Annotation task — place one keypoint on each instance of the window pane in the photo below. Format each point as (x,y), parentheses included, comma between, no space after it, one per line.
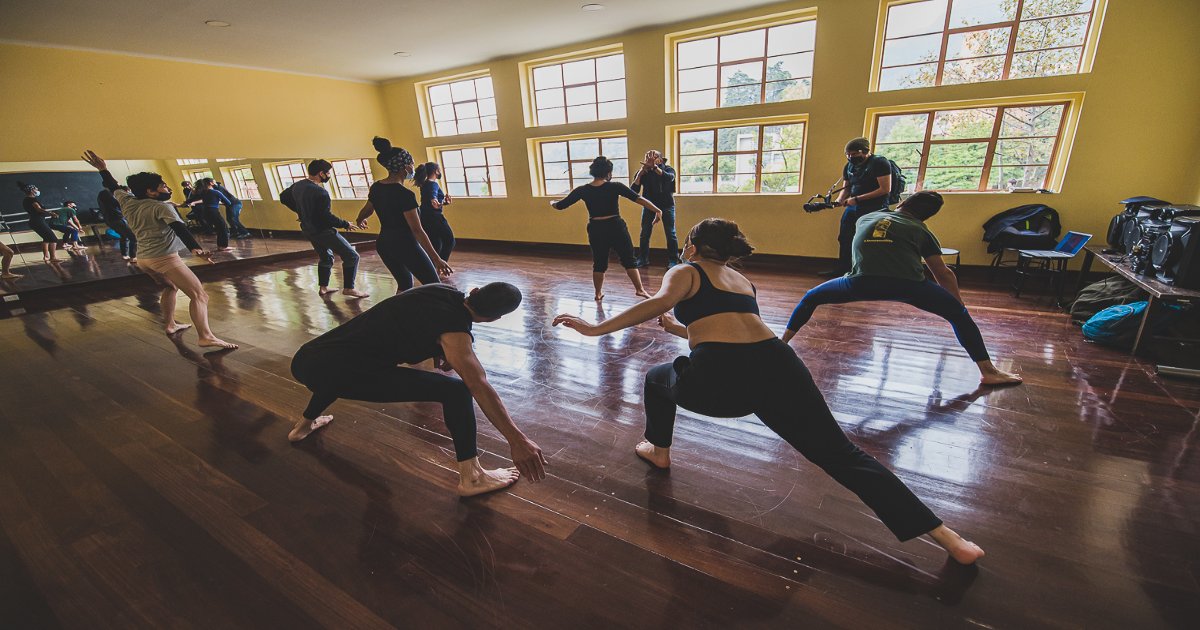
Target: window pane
(1024,151)
(439,94)
(791,38)
(1047,8)
(493,156)
(781,161)
(953,178)
(1045,63)
(701,52)
(696,165)
(586,148)
(579,72)
(499,189)
(706,99)
(445,128)
(608,111)
(483,87)
(474,157)
(488,123)
(741,95)
(554,152)
(973,70)
(558,186)
(790,66)
(781,183)
(916,18)
(977,44)
(462,90)
(611,90)
(621,169)
(907,77)
(904,154)
(910,50)
(452,159)
(1009,177)
(477,174)
(478,189)
(957,154)
(547,77)
(973,12)
(496,173)
(696,184)
(742,74)
(456,189)
(556,170)
(443,112)
(466,110)
(696,142)
(610,67)
(783,136)
(487,107)
(454,173)
(901,128)
(742,183)
(581,113)
(698,79)
(746,45)
(790,90)
(614,148)
(580,170)
(963,123)
(552,116)
(1031,121)
(471,125)
(581,95)
(549,98)
(737,139)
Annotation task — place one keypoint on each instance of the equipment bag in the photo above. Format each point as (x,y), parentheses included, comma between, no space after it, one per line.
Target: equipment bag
(898,183)
(1100,295)
(1117,326)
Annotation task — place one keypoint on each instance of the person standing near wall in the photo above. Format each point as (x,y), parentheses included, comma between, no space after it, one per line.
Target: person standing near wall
(656,182)
(868,180)
(211,201)
(311,202)
(433,203)
(38,220)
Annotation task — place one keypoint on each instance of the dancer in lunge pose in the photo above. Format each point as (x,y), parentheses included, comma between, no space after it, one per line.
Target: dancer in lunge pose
(308,199)
(359,360)
(606,229)
(738,367)
(162,235)
(889,255)
(403,245)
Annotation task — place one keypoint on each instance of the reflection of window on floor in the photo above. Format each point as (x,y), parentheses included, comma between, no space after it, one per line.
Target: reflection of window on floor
(473,171)
(351,178)
(241,180)
(565,163)
(976,149)
(748,158)
(943,42)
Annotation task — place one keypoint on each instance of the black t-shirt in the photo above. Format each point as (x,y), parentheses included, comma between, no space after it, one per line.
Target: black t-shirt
(601,201)
(110,208)
(404,328)
(863,178)
(391,201)
(34,213)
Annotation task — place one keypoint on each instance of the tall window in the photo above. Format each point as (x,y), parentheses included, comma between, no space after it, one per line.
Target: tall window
(943,42)
(580,90)
(289,173)
(765,65)
(195,174)
(473,171)
(352,178)
(241,179)
(565,162)
(464,106)
(190,161)
(748,158)
(977,149)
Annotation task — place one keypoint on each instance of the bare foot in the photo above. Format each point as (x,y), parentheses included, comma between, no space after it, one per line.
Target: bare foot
(999,377)
(658,457)
(481,481)
(962,550)
(175,328)
(304,427)
(133,261)
(326,291)
(10,276)
(642,294)
(213,342)
(355,293)
(599,296)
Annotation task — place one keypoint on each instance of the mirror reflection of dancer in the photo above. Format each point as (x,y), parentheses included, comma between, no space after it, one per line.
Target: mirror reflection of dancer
(6,256)
(433,203)
(311,202)
(359,360)
(66,220)
(162,235)
(738,367)
(39,218)
(110,211)
(403,245)
(890,252)
(606,229)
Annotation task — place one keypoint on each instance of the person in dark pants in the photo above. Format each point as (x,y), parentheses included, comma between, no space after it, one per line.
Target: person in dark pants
(433,203)
(66,220)
(657,181)
(191,199)
(359,360)
(868,180)
(233,212)
(210,201)
(890,253)
(114,218)
(311,203)
(403,246)
(606,229)
(39,218)
(738,367)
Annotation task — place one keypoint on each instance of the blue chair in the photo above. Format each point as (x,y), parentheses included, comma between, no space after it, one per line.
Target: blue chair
(1050,263)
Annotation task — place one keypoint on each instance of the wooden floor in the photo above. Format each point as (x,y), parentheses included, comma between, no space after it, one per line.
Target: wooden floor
(147,484)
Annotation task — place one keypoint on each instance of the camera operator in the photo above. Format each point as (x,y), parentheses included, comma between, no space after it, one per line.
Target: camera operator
(868,184)
(656,181)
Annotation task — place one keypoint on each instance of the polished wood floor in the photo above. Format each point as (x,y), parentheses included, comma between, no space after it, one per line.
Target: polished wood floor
(148,484)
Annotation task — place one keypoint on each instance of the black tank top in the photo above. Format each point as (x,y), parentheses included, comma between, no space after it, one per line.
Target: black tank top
(710,300)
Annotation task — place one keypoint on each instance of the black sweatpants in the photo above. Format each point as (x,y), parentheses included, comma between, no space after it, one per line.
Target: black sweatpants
(332,374)
(400,253)
(438,229)
(128,242)
(212,216)
(326,243)
(606,235)
(767,379)
(42,229)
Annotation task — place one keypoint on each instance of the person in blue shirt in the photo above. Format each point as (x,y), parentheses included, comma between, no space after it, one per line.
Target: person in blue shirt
(433,203)
(210,201)
(233,212)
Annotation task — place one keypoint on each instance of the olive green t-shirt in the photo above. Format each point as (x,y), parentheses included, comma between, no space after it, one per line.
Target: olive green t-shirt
(892,244)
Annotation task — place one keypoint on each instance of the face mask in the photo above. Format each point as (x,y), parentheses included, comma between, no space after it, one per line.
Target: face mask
(858,159)
(325,178)
(163,196)
(37,193)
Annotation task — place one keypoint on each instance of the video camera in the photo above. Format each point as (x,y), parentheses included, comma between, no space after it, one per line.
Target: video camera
(826,199)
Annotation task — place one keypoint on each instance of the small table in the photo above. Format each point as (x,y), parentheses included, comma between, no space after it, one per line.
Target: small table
(1159,292)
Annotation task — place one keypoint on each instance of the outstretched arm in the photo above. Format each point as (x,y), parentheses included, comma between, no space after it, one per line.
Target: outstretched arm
(676,286)
(526,454)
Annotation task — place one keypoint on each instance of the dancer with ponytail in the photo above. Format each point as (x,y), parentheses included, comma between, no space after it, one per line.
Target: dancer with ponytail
(606,229)
(39,218)
(403,245)
(433,202)
(738,367)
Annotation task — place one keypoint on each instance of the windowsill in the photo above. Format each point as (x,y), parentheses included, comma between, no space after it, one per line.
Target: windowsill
(995,192)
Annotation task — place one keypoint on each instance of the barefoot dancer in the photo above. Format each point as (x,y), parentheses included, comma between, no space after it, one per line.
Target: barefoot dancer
(606,229)
(6,256)
(358,361)
(433,206)
(887,265)
(738,367)
(403,245)
(308,199)
(161,234)
(39,218)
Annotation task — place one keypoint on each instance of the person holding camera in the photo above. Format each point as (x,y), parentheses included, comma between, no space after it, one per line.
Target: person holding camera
(868,180)
(656,182)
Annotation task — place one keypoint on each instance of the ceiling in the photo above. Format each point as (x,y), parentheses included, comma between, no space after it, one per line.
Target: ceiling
(354,40)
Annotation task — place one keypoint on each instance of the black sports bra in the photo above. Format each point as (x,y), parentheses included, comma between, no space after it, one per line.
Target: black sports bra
(710,300)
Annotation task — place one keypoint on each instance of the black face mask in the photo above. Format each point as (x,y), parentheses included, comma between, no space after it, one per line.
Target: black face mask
(858,159)
(163,196)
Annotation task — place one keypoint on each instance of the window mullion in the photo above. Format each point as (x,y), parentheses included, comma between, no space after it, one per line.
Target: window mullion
(993,145)
(925,153)
(1012,40)
(758,157)
(941,67)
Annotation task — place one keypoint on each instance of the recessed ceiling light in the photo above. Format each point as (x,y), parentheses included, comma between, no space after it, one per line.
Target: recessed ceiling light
(592,7)
(402,53)
(216,23)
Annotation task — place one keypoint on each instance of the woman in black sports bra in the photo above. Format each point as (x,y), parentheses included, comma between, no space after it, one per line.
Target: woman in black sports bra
(739,367)
(606,229)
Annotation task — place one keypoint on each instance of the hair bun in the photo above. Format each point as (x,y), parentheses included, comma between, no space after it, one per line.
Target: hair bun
(599,158)
(382,145)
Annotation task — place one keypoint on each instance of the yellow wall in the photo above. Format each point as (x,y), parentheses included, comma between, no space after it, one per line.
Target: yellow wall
(1121,148)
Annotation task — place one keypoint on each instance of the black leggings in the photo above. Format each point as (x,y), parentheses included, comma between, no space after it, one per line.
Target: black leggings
(128,241)
(331,375)
(42,229)
(923,294)
(609,234)
(403,257)
(767,379)
(212,216)
(440,234)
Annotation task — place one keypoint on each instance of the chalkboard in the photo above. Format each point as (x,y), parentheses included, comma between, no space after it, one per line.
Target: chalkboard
(81,187)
